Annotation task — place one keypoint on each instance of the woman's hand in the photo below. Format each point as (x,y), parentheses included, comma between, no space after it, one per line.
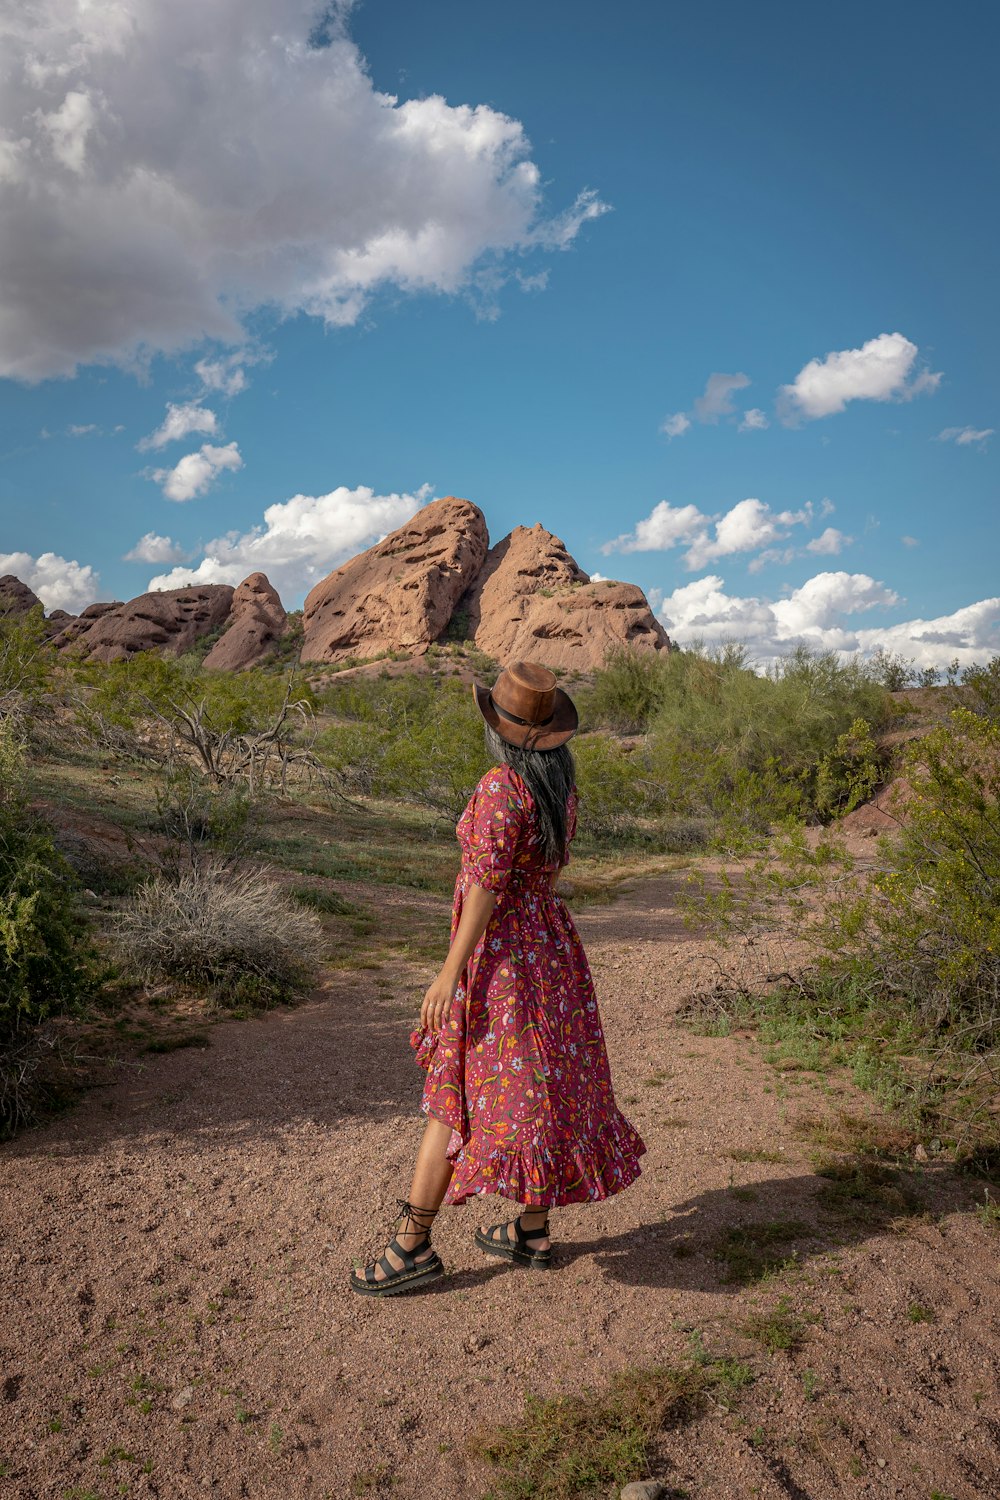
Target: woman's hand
(437,1002)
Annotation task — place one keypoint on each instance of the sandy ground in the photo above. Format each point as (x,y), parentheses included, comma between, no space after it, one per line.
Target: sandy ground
(175,1318)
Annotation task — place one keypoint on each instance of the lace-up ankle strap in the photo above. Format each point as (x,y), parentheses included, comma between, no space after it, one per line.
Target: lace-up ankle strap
(416,1216)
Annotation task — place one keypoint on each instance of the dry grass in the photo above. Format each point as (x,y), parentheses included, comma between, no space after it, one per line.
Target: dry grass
(237,934)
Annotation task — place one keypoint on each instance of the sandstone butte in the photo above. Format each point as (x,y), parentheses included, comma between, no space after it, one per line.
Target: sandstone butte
(257,621)
(400,594)
(435,578)
(437,575)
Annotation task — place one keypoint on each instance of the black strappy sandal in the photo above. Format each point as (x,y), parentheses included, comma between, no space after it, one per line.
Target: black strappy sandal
(517,1249)
(413,1274)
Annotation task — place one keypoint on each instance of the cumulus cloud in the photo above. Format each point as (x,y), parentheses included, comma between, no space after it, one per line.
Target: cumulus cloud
(676,424)
(748,526)
(715,402)
(300,540)
(194,474)
(966,437)
(165,170)
(82,429)
(829,542)
(58,582)
(664,527)
(156,549)
(883,369)
(180,422)
(820,614)
(754,420)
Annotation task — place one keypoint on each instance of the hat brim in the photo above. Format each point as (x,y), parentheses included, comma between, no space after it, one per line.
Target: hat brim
(561,727)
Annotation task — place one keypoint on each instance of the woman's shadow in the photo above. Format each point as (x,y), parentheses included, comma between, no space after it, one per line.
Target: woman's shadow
(719,1241)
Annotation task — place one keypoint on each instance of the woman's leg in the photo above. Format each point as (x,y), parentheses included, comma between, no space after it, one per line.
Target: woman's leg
(431,1176)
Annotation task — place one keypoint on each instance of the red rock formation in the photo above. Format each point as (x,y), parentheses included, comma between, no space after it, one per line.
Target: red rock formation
(81,623)
(15,597)
(257,620)
(170,621)
(532,601)
(400,594)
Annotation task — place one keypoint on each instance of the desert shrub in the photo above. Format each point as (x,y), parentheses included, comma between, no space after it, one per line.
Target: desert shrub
(913,947)
(626,691)
(45,956)
(980,690)
(891,670)
(412,738)
(235,935)
(748,749)
(27,661)
(247,729)
(618,798)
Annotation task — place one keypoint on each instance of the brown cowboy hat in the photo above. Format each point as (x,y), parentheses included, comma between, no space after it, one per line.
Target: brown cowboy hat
(526,708)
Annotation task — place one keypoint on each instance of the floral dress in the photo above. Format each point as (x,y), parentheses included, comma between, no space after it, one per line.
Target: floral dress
(519,1070)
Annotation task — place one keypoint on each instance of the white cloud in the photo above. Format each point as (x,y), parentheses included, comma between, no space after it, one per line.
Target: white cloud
(718,398)
(59,583)
(754,420)
(664,527)
(85,429)
(676,424)
(820,615)
(965,437)
(748,526)
(181,422)
(227,373)
(156,549)
(716,402)
(165,170)
(881,370)
(194,473)
(910,541)
(300,540)
(829,542)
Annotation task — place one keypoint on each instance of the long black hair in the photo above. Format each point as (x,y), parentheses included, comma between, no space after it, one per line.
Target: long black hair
(549,776)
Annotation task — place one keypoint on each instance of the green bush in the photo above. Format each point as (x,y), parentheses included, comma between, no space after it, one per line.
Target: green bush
(412,738)
(748,750)
(627,691)
(45,956)
(907,959)
(27,659)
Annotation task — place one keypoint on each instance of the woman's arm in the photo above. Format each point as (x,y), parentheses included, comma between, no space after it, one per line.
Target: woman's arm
(477,908)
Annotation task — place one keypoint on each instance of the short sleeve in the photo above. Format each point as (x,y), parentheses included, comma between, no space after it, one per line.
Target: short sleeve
(492,833)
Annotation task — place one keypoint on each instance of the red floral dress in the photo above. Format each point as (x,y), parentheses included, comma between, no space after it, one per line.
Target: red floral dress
(519,1070)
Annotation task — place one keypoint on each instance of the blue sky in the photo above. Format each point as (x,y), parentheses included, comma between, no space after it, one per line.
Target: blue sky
(579,230)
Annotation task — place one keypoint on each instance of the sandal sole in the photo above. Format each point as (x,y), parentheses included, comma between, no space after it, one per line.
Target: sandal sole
(532,1261)
(412,1282)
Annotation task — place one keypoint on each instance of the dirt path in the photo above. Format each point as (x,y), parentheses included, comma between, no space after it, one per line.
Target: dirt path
(174,1318)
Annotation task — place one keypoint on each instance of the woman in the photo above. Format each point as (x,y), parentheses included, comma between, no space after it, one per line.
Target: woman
(518,1093)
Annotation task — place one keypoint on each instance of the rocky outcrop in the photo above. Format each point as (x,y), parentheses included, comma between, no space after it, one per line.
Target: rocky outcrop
(171,621)
(15,597)
(400,594)
(532,601)
(574,628)
(434,578)
(257,621)
(528,561)
(78,625)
